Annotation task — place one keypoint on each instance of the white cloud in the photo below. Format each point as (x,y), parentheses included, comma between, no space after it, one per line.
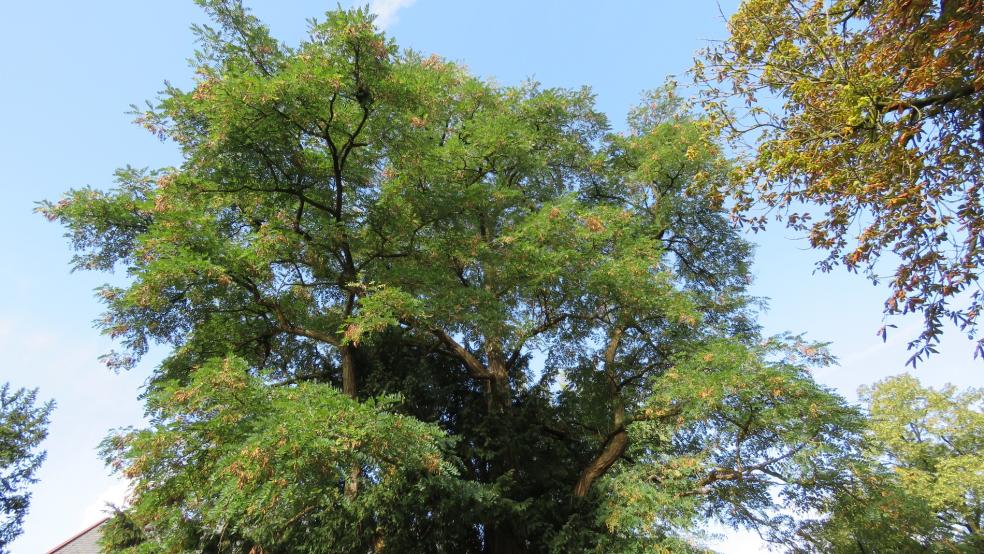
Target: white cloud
(116,495)
(386,10)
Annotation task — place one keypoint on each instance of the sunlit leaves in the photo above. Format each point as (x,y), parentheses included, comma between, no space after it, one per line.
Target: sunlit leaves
(266,464)
(920,484)
(862,121)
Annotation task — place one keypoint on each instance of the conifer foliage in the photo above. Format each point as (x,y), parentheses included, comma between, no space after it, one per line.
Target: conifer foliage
(23,426)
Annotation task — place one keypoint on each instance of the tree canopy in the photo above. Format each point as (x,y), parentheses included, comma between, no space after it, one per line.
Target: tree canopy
(412,310)
(873,112)
(23,426)
(920,485)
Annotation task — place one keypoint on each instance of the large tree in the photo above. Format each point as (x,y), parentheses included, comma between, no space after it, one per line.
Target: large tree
(23,425)
(873,112)
(410,310)
(920,485)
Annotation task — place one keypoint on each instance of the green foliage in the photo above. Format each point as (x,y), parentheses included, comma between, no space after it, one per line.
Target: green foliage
(920,486)
(23,426)
(261,465)
(871,112)
(540,329)
(739,434)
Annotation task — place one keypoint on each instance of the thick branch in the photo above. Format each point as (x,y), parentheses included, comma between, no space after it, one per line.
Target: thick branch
(283,322)
(613,450)
(934,100)
(618,440)
(475,368)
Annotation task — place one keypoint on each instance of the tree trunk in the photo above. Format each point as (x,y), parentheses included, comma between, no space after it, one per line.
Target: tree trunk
(501,536)
(349,387)
(610,454)
(618,440)
(501,393)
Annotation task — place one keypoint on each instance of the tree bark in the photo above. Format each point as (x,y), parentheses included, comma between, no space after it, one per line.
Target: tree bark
(349,387)
(612,451)
(499,374)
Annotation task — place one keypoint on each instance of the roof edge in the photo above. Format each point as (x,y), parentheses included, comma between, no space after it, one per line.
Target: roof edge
(77,535)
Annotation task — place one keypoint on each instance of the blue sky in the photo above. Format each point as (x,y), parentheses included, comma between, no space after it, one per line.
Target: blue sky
(71,69)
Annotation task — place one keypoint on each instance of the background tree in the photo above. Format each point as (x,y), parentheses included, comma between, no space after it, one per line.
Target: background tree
(540,329)
(873,111)
(23,425)
(920,486)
